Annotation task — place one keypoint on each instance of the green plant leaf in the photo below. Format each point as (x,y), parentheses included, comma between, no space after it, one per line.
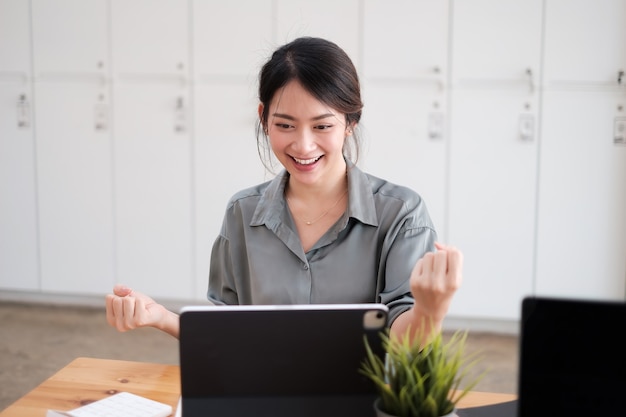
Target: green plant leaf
(421,380)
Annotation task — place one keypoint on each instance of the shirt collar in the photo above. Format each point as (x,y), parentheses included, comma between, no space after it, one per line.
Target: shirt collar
(272,203)
(361,205)
(361,200)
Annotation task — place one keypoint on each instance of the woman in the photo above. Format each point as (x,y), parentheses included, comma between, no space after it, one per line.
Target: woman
(322,231)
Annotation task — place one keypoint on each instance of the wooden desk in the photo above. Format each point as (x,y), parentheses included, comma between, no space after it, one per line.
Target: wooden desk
(87,379)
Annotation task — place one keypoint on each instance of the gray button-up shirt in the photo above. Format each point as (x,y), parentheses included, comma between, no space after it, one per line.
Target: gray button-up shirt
(366,256)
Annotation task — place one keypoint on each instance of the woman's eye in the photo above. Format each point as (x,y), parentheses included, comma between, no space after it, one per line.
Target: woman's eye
(283,125)
(323,127)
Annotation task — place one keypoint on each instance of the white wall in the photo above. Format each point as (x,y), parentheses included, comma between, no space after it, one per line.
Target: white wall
(126,126)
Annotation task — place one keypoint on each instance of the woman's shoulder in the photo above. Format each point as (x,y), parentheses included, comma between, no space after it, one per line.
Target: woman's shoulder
(383,188)
(255,191)
(399,202)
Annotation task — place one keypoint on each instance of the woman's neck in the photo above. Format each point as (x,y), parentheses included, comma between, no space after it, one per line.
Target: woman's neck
(317,194)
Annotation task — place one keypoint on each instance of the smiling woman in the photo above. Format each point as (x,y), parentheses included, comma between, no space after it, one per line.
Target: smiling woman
(322,231)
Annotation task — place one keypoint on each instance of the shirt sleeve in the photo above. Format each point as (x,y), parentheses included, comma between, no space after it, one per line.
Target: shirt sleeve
(409,235)
(415,238)
(221,283)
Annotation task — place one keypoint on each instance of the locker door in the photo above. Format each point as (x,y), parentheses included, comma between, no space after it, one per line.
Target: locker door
(225,112)
(484,35)
(152,158)
(582,200)
(75,189)
(493,151)
(150,37)
(153,189)
(15,39)
(405,39)
(226,161)
(585,42)
(246,25)
(405,145)
(70,60)
(493,174)
(337,21)
(70,37)
(19,258)
(405,114)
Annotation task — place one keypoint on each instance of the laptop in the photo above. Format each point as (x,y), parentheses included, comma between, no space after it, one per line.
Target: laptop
(278,361)
(572,358)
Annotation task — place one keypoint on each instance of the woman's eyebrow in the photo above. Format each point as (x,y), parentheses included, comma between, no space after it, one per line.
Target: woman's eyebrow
(288,117)
(284,116)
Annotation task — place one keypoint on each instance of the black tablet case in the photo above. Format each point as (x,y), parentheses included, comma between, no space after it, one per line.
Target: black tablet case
(277,361)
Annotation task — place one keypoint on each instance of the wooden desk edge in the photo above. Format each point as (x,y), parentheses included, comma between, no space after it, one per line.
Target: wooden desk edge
(479,398)
(85,380)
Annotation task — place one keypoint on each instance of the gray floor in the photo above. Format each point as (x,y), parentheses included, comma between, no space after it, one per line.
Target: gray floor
(37,340)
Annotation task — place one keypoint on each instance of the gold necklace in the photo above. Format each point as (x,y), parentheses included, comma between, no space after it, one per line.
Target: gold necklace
(310,222)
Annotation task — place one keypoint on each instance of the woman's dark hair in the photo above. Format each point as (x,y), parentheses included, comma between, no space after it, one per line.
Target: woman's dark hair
(325,71)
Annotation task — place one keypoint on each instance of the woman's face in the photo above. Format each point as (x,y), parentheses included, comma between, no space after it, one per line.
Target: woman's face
(306,136)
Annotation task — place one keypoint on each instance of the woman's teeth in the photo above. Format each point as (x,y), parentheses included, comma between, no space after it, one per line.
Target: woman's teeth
(307,161)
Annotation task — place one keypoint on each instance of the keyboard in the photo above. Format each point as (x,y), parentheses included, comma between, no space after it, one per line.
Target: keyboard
(120,404)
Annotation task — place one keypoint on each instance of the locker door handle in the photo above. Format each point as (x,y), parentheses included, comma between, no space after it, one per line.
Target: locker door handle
(179,116)
(531,82)
(439,78)
(526,127)
(23,112)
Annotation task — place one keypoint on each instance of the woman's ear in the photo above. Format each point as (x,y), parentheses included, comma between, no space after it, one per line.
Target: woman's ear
(263,122)
(350,129)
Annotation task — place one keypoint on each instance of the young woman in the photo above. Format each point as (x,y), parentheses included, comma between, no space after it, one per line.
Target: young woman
(322,231)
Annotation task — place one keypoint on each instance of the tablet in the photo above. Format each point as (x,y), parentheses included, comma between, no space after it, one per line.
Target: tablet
(278,360)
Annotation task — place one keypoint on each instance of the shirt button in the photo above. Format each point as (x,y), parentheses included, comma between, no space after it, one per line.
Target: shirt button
(306,267)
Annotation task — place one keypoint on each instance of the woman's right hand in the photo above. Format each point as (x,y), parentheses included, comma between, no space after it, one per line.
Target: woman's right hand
(127,309)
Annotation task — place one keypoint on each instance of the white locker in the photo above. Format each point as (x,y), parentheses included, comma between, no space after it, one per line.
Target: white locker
(405,115)
(153,188)
(585,43)
(399,145)
(405,40)
(73,145)
(75,189)
(15,57)
(581,249)
(493,175)
(19,258)
(70,38)
(581,244)
(225,158)
(496,42)
(223,47)
(494,137)
(337,21)
(226,161)
(152,146)
(150,37)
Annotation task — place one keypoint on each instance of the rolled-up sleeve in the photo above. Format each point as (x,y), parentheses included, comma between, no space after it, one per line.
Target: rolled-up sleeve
(221,276)
(408,247)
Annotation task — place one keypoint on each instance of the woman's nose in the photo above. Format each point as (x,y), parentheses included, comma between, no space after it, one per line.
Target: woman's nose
(304,141)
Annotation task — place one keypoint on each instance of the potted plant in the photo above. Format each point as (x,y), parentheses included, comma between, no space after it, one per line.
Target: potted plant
(420,380)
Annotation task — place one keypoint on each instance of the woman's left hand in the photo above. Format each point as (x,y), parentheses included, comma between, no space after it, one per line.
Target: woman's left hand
(434,280)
